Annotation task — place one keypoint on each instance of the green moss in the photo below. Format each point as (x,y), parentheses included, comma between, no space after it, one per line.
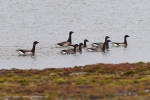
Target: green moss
(105,79)
(144,79)
(138,63)
(102,82)
(93,81)
(81,80)
(2,80)
(130,72)
(109,95)
(106,76)
(23,81)
(60,81)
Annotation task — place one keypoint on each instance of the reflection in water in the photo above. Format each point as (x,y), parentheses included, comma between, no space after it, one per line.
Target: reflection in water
(33,60)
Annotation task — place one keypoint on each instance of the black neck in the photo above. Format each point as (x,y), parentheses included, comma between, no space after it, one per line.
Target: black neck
(125,41)
(107,45)
(33,48)
(84,43)
(69,39)
(105,39)
(80,48)
(103,48)
(74,48)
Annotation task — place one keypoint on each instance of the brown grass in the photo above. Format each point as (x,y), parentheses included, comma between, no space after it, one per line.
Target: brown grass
(98,82)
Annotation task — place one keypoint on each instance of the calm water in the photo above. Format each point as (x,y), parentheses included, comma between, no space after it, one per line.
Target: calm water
(49,22)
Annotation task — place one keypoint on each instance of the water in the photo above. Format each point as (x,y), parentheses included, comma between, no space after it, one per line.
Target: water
(49,22)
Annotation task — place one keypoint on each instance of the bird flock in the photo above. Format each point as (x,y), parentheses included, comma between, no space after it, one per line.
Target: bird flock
(73,48)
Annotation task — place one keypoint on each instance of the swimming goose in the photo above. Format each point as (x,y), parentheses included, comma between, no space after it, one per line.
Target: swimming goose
(65,43)
(121,44)
(100,44)
(84,45)
(70,51)
(97,49)
(23,52)
(93,49)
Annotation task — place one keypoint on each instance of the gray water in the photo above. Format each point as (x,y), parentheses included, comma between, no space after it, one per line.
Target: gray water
(49,22)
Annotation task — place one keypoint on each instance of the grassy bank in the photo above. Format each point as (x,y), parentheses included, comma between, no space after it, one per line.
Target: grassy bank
(90,82)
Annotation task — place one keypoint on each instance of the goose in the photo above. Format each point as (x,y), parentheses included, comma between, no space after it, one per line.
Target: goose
(117,44)
(65,43)
(93,49)
(23,52)
(70,51)
(97,49)
(83,46)
(100,44)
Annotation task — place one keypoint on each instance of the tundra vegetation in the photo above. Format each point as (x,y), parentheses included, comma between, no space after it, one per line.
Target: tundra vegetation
(125,81)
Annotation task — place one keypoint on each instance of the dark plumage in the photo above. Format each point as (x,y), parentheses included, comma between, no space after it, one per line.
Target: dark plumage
(121,44)
(100,44)
(99,49)
(70,51)
(66,43)
(24,52)
(83,46)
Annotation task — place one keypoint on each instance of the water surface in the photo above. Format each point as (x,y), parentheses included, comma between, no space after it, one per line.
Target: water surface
(49,22)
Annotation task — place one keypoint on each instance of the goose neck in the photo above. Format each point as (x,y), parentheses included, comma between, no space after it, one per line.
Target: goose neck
(33,48)
(80,48)
(84,43)
(69,39)
(125,41)
(103,48)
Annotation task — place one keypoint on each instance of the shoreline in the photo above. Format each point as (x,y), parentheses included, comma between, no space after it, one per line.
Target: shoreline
(96,81)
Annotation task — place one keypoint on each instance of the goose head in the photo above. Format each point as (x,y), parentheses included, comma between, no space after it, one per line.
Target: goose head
(76,45)
(126,36)
(80,44)
(70,32)
(107,37)
(86,40)
(84,45)
(35,42)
